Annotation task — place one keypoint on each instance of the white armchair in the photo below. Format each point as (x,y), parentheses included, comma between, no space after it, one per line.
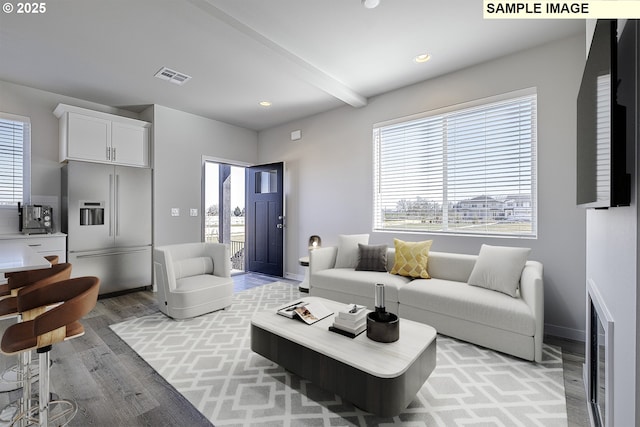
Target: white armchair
(192,278)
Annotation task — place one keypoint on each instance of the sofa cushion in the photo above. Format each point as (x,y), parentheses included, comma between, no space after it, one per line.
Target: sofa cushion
(450,266)
(347,256)
(499,268)
(195,290)
(350,281)
(192,267)
(411,258)
(475,304)
(372,258)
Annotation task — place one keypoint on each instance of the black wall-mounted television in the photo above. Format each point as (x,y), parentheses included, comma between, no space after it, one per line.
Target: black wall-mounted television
(602,178)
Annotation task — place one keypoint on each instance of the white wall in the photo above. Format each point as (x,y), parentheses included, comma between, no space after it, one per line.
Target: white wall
(38,105)
(612,266)
(180,141)
(329,172)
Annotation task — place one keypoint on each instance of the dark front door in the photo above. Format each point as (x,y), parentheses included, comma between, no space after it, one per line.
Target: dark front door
(265,219)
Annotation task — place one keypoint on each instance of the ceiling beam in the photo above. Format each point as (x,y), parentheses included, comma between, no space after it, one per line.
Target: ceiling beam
(304,69)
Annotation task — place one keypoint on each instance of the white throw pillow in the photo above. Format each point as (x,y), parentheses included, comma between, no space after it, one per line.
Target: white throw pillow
(499,268)
(348,249)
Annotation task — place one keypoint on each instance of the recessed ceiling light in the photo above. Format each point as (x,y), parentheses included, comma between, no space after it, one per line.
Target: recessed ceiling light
(265,104)
(422,58)
(370,4)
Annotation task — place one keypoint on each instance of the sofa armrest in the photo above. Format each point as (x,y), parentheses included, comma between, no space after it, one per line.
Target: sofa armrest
(220,254)
(532,292)
(322,259)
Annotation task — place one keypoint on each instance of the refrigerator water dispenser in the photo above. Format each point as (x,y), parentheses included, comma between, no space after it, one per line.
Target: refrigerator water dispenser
(91,213)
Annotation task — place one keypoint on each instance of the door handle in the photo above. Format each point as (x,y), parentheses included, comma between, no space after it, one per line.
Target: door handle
(279,226)
(111,201)
(116,203)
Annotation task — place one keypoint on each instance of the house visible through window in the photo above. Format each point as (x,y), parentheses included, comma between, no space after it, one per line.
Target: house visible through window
(15,142)
(463,170)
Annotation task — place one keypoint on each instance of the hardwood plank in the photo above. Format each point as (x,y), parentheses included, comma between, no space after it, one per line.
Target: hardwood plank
(115,387)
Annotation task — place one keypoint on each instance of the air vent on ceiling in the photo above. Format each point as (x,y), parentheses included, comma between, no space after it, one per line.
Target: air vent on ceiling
(172,76)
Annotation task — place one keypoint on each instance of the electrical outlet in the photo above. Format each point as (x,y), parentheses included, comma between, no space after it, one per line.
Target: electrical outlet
(193,212)
(175,211)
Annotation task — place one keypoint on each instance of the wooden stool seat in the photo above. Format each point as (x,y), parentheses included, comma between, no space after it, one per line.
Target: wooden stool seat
(20,337)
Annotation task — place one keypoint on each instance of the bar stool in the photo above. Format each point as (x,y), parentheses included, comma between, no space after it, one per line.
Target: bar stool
(43,326)
(9,308)
(22,374)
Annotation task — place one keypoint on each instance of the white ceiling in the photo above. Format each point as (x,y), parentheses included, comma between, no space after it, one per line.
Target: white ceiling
(304,56)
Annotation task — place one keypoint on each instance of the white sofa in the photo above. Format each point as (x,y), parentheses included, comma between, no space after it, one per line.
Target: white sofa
(513,325)
(192,278)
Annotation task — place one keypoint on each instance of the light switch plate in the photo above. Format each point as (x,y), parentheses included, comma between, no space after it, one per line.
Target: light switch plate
(175,211)
(193,212)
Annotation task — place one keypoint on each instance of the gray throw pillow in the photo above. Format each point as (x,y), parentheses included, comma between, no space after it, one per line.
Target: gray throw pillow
(372,257)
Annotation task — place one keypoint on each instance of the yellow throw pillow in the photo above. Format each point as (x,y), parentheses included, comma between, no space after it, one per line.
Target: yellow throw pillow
(411,258)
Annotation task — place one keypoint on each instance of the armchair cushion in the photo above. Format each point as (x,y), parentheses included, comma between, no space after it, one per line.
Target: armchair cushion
(192,267)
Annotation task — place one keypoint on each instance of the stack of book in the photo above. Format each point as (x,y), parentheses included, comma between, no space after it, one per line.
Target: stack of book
(351,321)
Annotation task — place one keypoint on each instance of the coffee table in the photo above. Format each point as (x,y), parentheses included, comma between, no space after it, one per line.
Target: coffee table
(381,378)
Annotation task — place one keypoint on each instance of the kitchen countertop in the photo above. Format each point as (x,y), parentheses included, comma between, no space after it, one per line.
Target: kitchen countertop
(29,236)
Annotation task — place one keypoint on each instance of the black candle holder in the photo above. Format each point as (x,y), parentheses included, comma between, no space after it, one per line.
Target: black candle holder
(383,327)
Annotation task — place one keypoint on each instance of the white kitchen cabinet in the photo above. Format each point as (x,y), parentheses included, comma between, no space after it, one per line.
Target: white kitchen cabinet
(129,144)
(43,244)
(94,136)
(88,138)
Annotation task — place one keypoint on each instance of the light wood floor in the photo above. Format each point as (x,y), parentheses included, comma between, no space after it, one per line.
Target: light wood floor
(114,387)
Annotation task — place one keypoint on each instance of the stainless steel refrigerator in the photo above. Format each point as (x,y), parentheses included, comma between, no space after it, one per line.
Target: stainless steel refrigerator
(106,213)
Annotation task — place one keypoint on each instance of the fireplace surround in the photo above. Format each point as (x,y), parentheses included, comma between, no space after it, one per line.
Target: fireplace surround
(598,367)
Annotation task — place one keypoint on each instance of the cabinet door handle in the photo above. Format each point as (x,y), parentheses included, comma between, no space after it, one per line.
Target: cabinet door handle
(33,245)
(114,154)
(108,153)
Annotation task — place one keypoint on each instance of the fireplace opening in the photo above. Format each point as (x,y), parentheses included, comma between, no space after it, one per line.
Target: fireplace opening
(599,361)
(597,364)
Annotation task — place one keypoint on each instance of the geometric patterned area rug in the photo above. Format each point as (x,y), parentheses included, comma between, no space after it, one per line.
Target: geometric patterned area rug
(208,360)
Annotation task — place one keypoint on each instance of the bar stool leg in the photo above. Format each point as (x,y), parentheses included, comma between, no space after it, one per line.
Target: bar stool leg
(26,406)
(43,398)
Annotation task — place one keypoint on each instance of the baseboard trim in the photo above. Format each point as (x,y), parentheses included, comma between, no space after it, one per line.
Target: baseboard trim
(563,332)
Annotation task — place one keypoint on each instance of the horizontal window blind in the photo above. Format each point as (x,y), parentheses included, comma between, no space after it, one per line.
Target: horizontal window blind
(15,137)
(466,171)
(603,137)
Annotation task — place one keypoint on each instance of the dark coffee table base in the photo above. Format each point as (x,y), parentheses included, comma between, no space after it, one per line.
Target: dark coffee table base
(384,397)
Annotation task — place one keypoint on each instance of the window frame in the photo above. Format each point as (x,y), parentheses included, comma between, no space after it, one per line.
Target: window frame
(26,157)
(443,114)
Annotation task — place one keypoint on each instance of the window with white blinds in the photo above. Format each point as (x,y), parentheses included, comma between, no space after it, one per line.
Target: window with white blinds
(15,142)
(468,170)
